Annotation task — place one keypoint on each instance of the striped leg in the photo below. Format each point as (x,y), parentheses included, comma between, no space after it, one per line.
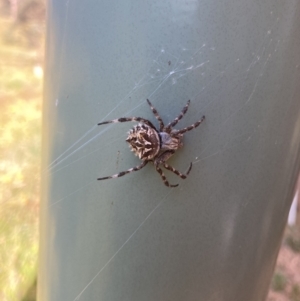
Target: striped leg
(160,121)
(164,177)
(193,126)
(178,173)
(120,174)
(126,119)
(175,121)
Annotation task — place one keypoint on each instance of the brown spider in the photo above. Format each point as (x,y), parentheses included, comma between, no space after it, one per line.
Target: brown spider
(150,144)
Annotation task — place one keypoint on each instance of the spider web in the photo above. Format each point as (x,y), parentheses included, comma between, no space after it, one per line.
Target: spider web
(191,63)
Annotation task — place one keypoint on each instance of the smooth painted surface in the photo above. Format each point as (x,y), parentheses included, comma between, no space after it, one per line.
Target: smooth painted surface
(217,235)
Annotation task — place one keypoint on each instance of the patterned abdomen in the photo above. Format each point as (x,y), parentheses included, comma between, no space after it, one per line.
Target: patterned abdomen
(144,141)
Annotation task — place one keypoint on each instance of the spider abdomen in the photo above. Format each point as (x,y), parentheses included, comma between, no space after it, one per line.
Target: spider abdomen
(144,141)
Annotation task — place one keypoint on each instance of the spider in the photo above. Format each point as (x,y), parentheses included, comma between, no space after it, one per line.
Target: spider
(151,144)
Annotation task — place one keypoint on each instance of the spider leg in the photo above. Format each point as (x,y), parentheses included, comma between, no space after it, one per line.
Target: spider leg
(164,177)
(189,128)
(178,173)
(175,121)
(122,173)
(126,119)
(157,116)
(162,158)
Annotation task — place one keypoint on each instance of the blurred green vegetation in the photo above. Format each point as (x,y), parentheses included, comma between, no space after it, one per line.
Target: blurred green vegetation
(295,293)
(292,238)
(278,282)
(21,77)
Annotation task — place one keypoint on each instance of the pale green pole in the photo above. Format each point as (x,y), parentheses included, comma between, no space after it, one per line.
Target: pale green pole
(216,236)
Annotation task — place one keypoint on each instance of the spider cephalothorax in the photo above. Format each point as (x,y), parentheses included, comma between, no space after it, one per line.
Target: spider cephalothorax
(157,146)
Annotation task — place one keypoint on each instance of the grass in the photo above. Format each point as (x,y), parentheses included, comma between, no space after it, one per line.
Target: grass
(278,282)
(293,239)
(295,293)
(20,146)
